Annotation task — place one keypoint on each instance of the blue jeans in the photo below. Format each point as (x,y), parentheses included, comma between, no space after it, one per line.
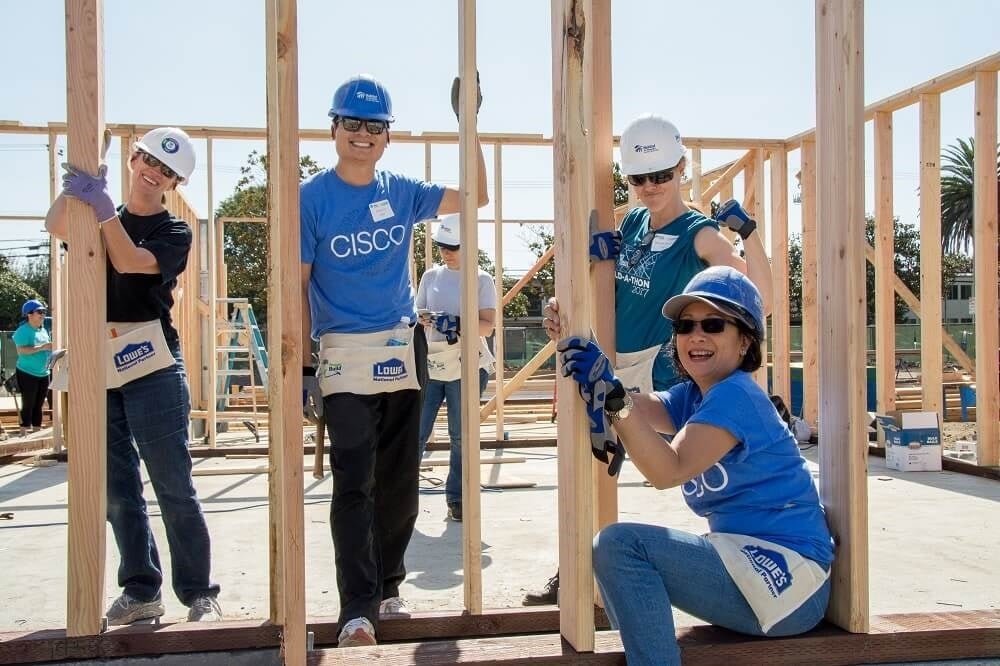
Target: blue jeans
(148,419)
(450,393)
(643,570)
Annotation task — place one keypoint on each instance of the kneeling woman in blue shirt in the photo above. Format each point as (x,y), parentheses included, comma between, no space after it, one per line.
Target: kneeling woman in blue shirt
(763,569)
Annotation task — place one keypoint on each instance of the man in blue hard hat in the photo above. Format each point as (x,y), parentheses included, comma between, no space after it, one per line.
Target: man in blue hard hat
(357,224)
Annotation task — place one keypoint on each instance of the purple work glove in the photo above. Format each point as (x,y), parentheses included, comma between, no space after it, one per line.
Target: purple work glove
(92,190)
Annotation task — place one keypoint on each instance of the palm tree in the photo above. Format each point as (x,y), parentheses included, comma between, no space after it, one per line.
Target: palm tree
(956,196)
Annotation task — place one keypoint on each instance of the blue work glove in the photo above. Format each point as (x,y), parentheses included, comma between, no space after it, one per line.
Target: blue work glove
(585,362)
(92,190)
(312,397)
(732,215)
(448,324)
(605,245)
(456,89)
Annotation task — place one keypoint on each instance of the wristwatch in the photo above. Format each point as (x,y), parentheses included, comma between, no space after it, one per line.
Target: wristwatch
(618,404)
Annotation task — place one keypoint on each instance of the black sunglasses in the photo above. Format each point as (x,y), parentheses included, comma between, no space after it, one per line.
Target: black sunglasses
(354,125)
(445,246)
(155,163)
(710,325)
(656,177)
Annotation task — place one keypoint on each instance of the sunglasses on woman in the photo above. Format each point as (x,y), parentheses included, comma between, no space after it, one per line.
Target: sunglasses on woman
(354,125)
(655,177)
(709,325)
(157,164)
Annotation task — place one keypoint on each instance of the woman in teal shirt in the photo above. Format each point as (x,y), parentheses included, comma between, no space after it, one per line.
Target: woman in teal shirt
(33,350)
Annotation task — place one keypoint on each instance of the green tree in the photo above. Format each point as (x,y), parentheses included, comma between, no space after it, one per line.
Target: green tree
(621,187)
(35,273)
(13,293)
(957,168)
(245,243)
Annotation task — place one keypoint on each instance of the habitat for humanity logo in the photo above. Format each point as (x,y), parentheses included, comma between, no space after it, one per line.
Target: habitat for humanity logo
(644,148)
(132,355)
(772,567)
(368,97)
(390,371)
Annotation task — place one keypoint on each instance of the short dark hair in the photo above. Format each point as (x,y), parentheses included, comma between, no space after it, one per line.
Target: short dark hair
(752,360)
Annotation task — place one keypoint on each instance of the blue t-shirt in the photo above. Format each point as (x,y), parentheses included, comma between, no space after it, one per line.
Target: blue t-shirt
(761,487)
(646,275)
(358,242)
(27,335)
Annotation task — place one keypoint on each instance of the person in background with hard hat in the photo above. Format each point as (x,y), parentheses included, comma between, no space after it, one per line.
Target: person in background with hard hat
(33,349)
(763,568)
(658,248)
(357,223)
(148,416)
(439,292)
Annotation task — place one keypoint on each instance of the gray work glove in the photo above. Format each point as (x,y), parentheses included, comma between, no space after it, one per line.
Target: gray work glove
(456,89)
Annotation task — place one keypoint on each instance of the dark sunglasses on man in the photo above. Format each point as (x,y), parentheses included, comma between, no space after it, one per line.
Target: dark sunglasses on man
(655,177)
(354,124)
(157,164)
(452,248)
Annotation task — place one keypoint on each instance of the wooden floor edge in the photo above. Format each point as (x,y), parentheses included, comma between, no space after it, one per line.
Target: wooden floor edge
(491,635)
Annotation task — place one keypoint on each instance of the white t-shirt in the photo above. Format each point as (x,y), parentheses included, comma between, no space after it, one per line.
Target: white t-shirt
(440,290)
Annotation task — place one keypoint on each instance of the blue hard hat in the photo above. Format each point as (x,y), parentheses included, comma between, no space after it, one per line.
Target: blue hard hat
(31,306)
(723,288)
(362,97)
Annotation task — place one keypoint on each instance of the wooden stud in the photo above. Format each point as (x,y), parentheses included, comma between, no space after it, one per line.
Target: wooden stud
(602,276)
(213,311)
(572,79)
(696,176)
(86,312)
(810,314)
(985,236)
(428,246)
(843,426)
(931,358)
(469,187)
(55,300)
(885,294)
(287,563)
(781,382)
(726,179)
(755,176)
(498,339)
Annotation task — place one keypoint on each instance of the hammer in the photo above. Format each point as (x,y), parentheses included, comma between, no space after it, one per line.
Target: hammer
(320,445)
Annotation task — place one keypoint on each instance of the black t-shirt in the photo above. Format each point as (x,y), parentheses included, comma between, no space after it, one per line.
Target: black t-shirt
(144,297)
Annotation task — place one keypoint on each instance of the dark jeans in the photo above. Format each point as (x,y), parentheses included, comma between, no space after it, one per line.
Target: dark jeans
(451,394)
(148,419)
(33,390)
(373,455)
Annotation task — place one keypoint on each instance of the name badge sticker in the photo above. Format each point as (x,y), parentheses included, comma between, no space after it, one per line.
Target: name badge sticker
(662,242)
(381,210)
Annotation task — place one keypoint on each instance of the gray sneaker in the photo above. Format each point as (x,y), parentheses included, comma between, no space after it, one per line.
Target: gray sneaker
(127,609)
(205,609)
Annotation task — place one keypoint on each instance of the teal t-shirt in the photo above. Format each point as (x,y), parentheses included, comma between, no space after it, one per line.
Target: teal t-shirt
(29,336)
(646,275)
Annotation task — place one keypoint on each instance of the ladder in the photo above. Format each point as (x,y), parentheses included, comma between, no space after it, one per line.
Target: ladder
(243,350)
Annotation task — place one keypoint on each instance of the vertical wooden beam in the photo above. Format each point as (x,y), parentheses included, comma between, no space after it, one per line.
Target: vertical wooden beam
(781,382)
(55,298)
(498,340)
(696,176)
(287,564)
(843,427)
(125,151)
(428,246)
(885,292)
(602,277)
(572,80)
(931,358)
(469,187)
(213,312)
(757,213)
(86,312)
(984,223)
(810,306)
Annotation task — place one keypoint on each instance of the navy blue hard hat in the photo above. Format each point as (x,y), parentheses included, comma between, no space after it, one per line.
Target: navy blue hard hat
(362,97)
(723,288)
(32,306)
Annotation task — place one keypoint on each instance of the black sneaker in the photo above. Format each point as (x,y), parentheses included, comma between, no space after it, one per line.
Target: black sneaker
(455,511)
(548,596)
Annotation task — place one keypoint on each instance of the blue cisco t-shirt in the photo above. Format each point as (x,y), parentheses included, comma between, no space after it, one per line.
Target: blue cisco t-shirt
(761,487)
(646,275)
(358,242)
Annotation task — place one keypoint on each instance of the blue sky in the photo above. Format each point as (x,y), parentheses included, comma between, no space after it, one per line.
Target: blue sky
(716,68)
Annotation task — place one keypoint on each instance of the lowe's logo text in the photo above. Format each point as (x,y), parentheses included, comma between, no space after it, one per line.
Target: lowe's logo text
(132,355)
(771,566)
(647,148)
(391,371)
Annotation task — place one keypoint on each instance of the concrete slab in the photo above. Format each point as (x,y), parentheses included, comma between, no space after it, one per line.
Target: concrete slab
(933,536)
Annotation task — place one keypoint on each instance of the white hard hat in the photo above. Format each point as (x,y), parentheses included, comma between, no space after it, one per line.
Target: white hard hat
(172,146)
(650,143)
(448,231)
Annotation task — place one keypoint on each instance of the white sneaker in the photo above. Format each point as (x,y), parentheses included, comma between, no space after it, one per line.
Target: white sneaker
(356,632)
(205,609)
(393,607)
(127,609)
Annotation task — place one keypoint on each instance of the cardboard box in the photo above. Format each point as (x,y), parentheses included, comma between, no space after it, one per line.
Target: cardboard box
(912,442)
